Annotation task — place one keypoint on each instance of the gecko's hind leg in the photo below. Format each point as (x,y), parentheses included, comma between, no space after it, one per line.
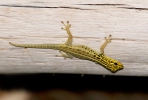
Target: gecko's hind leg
(65,55)
(67,29)
(107,40)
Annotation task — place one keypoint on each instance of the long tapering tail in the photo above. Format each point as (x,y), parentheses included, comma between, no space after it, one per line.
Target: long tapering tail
(39,46)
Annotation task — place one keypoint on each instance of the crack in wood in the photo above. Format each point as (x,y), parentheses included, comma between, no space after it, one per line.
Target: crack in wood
(134,8)
(7,37)
(136,40)
(26,6)
(104,4)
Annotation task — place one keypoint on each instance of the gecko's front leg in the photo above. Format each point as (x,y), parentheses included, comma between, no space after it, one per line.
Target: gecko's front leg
(107,40)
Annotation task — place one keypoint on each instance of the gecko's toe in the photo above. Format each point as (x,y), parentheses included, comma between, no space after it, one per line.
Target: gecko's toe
(62,28)
(110,35)
(62,22)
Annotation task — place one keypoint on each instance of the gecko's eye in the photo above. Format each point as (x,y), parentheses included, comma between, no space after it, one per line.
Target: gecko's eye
(115,64)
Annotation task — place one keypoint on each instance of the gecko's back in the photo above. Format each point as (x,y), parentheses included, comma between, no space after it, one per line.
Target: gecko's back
(86,53)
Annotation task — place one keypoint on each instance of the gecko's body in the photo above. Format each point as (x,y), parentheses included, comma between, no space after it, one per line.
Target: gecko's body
(79,51)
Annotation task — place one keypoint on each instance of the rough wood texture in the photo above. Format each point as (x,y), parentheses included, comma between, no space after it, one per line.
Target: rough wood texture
(38,21)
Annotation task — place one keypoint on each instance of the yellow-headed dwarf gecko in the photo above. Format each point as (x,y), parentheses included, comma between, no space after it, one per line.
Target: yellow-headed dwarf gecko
(79,51)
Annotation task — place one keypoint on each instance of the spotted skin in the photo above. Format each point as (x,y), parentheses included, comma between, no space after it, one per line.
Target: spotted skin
(68,50)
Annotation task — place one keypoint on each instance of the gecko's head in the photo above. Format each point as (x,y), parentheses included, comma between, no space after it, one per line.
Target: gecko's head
(110,63)
(113,65)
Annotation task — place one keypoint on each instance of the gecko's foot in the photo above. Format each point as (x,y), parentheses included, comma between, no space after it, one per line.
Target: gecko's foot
(109,38)
(63,55)
(66,26)
(60,56)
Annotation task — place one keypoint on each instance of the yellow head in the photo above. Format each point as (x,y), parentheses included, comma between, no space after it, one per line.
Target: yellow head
(109,63)
(114,65)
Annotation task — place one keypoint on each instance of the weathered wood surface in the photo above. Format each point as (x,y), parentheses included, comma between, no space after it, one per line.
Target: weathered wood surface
(35,21)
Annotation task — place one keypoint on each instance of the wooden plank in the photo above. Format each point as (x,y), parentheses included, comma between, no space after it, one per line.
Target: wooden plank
(39,22)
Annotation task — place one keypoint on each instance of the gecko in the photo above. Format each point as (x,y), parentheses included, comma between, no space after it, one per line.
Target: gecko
(69,50)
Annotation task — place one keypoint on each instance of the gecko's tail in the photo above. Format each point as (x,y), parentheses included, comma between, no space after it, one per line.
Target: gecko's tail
(39,46)
(19,45)
(12,44)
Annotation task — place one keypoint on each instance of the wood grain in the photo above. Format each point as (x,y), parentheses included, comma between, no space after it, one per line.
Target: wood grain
(38,21)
